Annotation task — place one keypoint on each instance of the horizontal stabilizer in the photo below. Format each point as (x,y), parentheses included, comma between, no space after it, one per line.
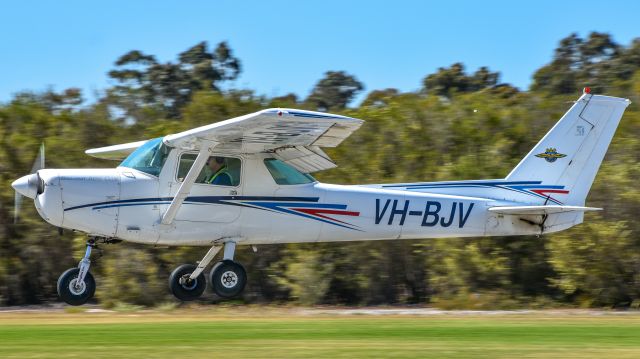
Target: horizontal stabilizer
(533,210)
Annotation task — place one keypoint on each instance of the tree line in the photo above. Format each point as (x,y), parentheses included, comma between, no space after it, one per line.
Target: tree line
(459,125)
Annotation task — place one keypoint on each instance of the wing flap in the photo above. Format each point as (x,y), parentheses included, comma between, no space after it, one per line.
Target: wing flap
(305,159)
(540,210)
(334,135)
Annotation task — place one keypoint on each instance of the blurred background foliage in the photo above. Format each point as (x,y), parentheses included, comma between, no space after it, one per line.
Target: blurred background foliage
(460,125)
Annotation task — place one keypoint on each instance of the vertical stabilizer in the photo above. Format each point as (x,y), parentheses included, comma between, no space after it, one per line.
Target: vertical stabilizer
(567,158)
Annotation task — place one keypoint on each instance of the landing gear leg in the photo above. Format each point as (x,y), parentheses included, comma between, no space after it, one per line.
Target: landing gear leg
(187,281)
(227,277)
(76,285)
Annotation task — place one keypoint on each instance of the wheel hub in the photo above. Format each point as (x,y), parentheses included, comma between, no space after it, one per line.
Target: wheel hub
(77,288)
(229,279)
(187,283)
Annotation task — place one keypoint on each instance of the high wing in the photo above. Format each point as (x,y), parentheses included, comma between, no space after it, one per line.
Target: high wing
(115,152)
(293,136)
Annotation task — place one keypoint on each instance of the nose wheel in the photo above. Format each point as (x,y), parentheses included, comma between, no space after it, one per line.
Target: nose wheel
(73,290)
(76,286)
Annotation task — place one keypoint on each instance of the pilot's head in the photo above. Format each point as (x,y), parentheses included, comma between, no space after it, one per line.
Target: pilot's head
(215,163)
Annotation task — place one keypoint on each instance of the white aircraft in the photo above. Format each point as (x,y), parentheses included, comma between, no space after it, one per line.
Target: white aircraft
(245,181)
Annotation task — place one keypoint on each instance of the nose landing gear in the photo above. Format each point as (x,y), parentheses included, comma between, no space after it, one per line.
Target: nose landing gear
(76,285)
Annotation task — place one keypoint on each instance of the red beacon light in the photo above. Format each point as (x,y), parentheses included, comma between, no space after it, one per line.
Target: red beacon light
(586,90)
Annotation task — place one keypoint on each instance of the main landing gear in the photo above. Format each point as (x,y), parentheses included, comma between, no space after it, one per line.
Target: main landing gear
(227,277)
(76,285)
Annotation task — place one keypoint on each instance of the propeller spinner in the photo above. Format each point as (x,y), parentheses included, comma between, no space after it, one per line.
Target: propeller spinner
(29,185)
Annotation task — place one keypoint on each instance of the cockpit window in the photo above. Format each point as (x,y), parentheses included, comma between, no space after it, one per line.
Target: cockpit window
(284,174)
(218,171)
(148,158)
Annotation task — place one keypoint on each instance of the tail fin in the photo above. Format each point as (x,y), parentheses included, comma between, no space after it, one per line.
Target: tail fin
(567,158)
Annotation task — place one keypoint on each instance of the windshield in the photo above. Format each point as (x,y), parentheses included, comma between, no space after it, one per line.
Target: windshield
(148,158)
(284,174)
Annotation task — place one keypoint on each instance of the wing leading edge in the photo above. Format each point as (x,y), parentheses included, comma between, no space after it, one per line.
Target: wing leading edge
(115,152)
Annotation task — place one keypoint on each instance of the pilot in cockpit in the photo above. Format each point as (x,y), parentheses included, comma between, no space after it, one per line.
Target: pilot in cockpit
(216,172)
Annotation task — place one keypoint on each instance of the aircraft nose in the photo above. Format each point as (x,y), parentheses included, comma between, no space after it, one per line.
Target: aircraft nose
(26,185)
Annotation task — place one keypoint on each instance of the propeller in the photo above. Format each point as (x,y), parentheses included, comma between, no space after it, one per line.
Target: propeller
(25,185)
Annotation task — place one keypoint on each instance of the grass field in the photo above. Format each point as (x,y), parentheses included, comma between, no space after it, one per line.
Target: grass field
(289,333)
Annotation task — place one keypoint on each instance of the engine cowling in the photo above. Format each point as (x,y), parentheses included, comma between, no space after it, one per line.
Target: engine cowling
(80,199)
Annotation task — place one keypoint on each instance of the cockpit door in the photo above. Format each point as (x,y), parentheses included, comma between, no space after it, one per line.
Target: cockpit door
(211,197)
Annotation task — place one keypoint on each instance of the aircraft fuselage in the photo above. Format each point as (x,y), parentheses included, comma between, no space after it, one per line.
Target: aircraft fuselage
(127,204)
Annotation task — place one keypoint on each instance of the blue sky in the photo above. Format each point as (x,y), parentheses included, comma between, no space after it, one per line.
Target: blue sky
(286,46)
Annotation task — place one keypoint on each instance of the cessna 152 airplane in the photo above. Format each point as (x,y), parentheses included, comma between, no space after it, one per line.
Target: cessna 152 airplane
(245,181)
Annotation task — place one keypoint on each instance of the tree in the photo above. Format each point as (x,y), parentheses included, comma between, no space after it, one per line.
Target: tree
(142,81)
(597,61)
(380,97)
(334,91)
(447,81)
(598,263)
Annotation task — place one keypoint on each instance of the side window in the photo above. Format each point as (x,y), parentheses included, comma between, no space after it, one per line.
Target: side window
(284,174)
(220,171)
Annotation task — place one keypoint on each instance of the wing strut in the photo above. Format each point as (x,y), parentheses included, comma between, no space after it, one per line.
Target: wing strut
(187,183)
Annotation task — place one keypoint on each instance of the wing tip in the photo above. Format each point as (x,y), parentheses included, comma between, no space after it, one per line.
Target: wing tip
(282,111)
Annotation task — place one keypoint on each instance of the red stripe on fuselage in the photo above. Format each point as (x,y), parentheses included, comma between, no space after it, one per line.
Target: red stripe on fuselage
(321,213)
(543,192)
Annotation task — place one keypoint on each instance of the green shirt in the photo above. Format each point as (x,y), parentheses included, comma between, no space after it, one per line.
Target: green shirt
(221,177)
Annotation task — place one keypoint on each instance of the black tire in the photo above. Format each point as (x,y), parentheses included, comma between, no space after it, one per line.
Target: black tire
(228,278)
(72,296)
(183,290)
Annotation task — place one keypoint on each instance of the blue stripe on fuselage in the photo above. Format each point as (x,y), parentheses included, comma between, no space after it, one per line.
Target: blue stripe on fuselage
(197,199)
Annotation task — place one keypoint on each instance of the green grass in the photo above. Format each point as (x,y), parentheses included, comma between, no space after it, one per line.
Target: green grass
(284,334)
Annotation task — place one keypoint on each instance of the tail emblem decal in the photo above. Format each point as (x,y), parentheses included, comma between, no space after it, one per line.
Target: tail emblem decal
(550,155)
